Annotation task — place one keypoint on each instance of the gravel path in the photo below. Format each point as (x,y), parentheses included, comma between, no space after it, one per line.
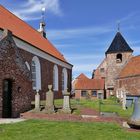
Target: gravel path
(6,121)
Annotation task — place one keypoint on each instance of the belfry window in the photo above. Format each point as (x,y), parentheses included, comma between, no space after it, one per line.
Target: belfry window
(119,58)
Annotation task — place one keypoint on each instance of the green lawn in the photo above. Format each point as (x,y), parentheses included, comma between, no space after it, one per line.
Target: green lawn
(108,105)
(50,130)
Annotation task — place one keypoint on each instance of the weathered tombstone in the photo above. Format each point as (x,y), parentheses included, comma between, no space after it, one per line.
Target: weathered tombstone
(124,101)
(37,101)
(66,102)
(49,108)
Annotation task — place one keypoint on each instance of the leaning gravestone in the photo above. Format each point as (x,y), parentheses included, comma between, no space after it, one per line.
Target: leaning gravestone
(66,102)
(49,108)
(37,102)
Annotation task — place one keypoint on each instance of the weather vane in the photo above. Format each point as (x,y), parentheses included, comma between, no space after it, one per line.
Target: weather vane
(43,9)
(118,26)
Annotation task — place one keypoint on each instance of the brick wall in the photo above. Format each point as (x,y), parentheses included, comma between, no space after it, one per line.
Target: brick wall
(131,85)
(12,66)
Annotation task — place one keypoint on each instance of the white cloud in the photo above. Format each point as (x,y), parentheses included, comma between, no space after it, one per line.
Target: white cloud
(31,9)
(84,67)
(78,32)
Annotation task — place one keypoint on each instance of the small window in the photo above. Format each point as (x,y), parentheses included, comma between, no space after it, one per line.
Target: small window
(83,93)
(102,70)
(94,93)
(100,96)
(119,58)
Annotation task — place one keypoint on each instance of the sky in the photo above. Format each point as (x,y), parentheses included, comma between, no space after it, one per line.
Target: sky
(82,30)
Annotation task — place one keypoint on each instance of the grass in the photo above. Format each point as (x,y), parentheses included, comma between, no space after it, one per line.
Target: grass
(50,130)
(108,105)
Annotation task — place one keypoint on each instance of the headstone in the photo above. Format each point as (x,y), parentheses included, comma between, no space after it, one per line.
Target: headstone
(37,101)
(49,108)
(124,101)
(66,102)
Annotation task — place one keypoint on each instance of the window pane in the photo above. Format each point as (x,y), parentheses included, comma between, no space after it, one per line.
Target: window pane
(33,74)
(83,93)
(62,81)
(94,93)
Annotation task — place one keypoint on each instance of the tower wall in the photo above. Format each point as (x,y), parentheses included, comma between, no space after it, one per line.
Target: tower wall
(113,69)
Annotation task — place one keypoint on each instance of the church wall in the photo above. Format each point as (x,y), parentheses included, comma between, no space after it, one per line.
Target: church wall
(47,75)
(11,68)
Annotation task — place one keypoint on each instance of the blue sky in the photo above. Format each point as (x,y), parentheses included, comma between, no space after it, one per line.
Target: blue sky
(83,29)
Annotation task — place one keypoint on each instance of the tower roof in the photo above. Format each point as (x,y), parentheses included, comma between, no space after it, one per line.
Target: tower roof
(119,45)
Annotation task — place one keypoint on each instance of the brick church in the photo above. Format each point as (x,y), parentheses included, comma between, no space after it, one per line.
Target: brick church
(28,63)
(120,69)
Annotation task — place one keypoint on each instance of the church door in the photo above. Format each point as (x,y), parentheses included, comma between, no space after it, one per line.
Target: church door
(7,99)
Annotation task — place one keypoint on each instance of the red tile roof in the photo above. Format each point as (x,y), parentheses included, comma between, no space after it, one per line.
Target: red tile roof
(132,68)
(25,32)
(84,83)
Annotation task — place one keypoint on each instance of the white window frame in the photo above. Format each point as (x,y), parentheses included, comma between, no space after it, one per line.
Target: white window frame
(55,78)
(64,79)
(37,79)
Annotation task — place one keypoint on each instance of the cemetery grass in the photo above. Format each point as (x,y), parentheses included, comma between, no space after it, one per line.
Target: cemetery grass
(51,130)
(107,105)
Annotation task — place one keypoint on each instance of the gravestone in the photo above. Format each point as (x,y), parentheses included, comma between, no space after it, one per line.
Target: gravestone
(124,101)
(37,101)
(66,102)
(49,108)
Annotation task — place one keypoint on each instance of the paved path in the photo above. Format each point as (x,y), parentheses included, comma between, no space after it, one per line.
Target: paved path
(6,121)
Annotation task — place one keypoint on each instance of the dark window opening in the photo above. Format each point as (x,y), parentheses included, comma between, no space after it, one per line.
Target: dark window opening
(102,70)
(119,58)
(83,93)
(94,93)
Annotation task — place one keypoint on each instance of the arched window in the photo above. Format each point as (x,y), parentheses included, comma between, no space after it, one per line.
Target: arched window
(36,73)
(55,78)
(119,58)
(64,79)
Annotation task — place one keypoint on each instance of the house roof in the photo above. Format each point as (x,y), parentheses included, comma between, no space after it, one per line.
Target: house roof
(132,68)
(84,83)
(28,34)
(119,45)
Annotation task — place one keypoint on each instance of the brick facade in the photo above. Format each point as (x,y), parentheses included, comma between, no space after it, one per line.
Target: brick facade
(13,68)
(129,85)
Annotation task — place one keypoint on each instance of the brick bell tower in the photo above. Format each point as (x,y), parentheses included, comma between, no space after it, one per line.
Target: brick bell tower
(117,55)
